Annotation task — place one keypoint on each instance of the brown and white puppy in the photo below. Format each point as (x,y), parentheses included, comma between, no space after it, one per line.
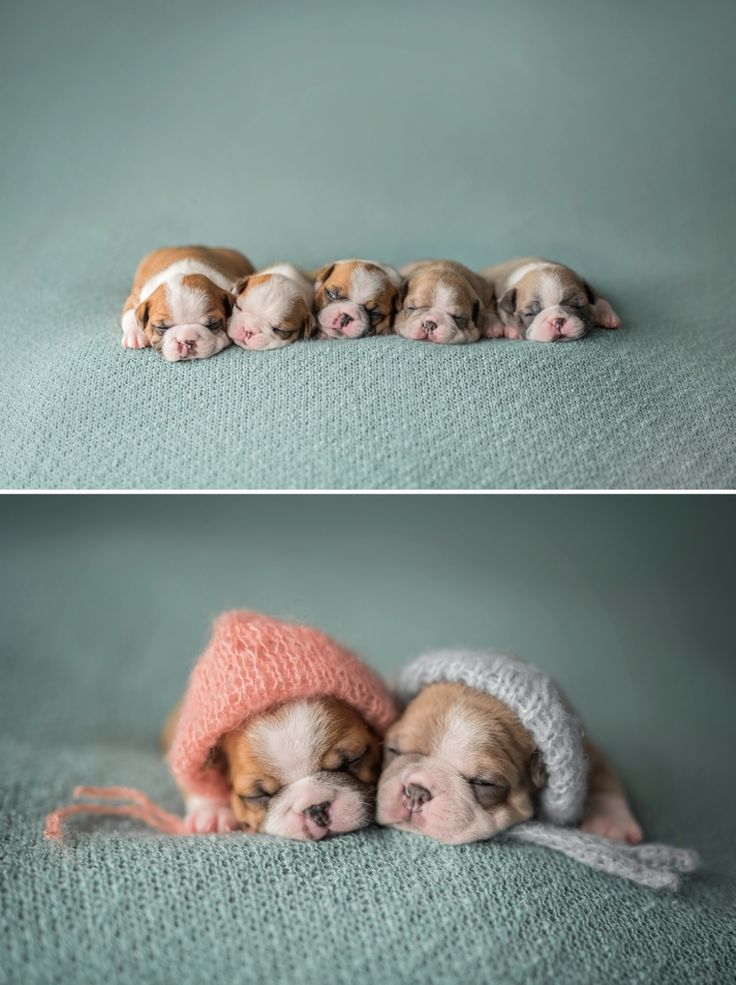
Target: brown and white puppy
(180,301)
(459,766)
(443,302)
(305,769)
(543,301)
(355,298)
(272,308)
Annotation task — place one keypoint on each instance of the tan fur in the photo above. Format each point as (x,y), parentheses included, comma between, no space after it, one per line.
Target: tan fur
(513,299)
(298,317)
(473,296)
(230,263)
(336,277)
(507,752)
(346,736)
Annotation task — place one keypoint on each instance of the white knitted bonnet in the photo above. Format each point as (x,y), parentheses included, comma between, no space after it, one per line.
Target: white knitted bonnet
(534,699)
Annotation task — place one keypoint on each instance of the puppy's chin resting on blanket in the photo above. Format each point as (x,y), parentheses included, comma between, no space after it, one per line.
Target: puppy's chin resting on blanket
(306,769)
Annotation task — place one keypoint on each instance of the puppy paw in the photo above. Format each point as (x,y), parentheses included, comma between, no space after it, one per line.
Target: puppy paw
(135,338)
(493,328)
(210,819)
(605,316)
(608,816)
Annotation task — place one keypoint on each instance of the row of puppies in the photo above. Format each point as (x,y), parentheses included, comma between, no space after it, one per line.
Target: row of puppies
(191,302)
(458,766)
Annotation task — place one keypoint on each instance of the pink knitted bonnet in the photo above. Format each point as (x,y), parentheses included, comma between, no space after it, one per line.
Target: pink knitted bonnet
(252,663)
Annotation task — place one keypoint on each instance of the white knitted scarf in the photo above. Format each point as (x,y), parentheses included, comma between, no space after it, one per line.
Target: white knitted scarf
(540,707)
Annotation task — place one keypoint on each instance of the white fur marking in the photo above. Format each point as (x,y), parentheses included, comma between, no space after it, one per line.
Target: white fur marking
(293,740)
(182,268)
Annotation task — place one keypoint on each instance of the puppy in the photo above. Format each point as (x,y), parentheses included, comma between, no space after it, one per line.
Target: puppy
(305,769)
(355,298)
(542,301)
(180,301)
(272,308)
(459,766)
(443,302)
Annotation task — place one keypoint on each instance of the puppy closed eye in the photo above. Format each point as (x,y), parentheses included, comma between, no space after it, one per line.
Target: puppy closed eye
(461,321)
(332,294)
(282,333)
(160,329)
(375,315)
(214,324)
(348,761)
(259,798)
(488,793)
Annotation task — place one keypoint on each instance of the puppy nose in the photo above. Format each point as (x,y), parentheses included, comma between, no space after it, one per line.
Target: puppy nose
(558,324)
(416,795)
(345,320)
(319,813)
(429,326)
(185,346)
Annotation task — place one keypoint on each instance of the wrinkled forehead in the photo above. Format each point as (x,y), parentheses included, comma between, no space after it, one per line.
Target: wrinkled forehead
(361,282)
(453,732)
(274,296)
(291,741)
(185,301)
(446,291)
(549,286)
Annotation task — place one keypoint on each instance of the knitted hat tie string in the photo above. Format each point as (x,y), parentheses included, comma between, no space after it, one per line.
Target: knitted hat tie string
(139,807)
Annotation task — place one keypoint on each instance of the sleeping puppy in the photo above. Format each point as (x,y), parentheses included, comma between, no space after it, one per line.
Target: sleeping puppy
(180,301)
(542,301)
(355,298)
(305,769)
(443,302)
(459,766)
(272,308)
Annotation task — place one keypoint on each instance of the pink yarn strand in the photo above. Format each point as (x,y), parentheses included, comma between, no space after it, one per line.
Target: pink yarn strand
(140,807)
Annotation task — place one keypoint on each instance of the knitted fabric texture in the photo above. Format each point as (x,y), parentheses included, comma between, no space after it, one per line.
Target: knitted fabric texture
(538,704)
(252,663)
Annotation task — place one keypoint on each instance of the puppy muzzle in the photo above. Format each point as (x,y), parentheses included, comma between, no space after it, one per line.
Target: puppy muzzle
(182,342)
(345,320)
(425,795)
(318,806)
(430,325)
(556,324)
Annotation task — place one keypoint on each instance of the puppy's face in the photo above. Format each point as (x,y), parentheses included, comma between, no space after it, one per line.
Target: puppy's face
(186,320)
(458,766)
(549,304)
(440,305)
(269,313)
(304,770)
(355,298)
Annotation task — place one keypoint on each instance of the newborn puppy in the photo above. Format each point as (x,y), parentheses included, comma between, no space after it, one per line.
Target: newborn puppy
(544,301)
(180,301)
(305,769)
(355,298)
(272,308)
(459,766)
(443,302)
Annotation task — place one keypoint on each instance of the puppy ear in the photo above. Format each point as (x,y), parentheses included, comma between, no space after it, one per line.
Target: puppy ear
(537,770)
(239,286)
(227,303)
(217,758)
(476,313)
(508,302)
(403,291)
(589,292)
(141,314)
(321,275)
(309,326)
